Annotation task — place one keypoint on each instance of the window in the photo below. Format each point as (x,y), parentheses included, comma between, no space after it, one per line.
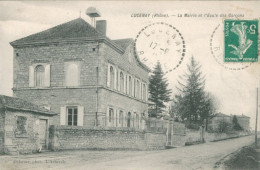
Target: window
(112,77)
(137,89)
(111,115)
(130,85)
(121,82)
(129,119)
(39,76)
(120,121)
(21,125)
(144,92)
(72,74)
(72,116)
(137,120)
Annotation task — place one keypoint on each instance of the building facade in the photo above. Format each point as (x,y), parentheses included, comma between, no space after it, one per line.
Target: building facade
(75,70)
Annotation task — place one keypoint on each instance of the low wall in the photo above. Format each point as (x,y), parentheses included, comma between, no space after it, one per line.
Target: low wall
(70,137)
(193,136)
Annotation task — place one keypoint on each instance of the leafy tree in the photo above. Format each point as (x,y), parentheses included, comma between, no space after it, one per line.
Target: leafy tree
(236,125)
(192,102)
(159,92)
(224,127)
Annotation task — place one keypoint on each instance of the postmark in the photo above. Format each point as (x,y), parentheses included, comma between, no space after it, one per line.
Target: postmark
(217,50)
(160,42)
(241,40)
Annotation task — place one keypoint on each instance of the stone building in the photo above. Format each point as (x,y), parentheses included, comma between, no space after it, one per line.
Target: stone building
(75,70)
(23,126)
(244,121)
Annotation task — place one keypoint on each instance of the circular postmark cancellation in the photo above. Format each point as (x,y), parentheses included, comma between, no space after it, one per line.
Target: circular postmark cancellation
(217,50)
(160,42)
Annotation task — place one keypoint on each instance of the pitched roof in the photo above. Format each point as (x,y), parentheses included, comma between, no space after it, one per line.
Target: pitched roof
(77,28)
(221,115)
(124,43)
(19,104)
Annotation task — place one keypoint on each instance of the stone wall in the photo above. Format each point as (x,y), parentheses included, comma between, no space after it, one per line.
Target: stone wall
(193,136)
(71,137)
(2,122)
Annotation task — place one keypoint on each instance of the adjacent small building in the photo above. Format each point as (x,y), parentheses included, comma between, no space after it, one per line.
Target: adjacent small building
(24,127)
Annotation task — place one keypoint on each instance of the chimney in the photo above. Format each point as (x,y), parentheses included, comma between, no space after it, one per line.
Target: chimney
(101,26)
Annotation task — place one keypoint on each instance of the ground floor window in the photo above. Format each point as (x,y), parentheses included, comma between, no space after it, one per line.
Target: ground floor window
(72,116)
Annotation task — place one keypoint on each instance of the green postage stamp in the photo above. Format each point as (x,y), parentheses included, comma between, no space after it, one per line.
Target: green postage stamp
(241,40)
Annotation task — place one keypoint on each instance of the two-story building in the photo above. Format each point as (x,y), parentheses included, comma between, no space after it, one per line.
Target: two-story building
(75,70)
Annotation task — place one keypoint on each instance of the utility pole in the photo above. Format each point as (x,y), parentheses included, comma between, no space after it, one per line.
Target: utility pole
(256,117)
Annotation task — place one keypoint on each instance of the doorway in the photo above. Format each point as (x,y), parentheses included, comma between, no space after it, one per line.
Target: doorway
(43,133)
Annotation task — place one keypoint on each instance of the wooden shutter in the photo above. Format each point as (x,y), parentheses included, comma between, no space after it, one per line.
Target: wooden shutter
(31,76)
(47,75)
(108,75)
(80,115)
(63,116)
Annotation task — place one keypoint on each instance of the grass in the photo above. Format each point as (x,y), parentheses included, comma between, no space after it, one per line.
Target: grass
(245,158)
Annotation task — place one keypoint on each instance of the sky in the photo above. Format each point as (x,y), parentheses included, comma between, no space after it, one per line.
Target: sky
(235,90)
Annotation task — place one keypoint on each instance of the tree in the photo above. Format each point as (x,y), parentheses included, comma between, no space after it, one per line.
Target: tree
(236,125)
(192,102)
(158,89)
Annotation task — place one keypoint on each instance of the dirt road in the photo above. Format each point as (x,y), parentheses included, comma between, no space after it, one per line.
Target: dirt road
(202,156)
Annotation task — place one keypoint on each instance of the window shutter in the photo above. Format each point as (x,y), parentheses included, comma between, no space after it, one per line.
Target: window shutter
(108,75)
(31,76)
(47,75)
(62,115)
(80,115)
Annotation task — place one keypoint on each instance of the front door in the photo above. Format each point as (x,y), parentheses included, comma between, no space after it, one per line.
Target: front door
(43,133)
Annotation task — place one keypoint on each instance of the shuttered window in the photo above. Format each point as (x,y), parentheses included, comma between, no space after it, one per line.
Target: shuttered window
(39,75)
(72,115)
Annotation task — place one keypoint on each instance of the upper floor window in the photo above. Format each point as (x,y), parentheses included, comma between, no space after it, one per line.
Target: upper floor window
(138,88)
(121,82)
(144,92)
(130,85)
(72,74)
(112,77)
(39,76)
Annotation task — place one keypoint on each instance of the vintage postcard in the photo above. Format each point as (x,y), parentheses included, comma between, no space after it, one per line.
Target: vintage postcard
(129,85)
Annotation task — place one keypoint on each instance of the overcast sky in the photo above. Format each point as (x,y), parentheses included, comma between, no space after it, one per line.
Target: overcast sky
(235,90)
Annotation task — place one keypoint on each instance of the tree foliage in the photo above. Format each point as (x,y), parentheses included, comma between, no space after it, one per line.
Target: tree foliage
(158,89)
(236,125)
(193,103)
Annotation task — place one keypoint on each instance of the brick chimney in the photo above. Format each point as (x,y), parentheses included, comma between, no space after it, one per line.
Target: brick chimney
(101,26)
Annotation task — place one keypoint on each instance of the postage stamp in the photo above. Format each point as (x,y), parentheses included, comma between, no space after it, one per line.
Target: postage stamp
(241,40)
(162,42)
